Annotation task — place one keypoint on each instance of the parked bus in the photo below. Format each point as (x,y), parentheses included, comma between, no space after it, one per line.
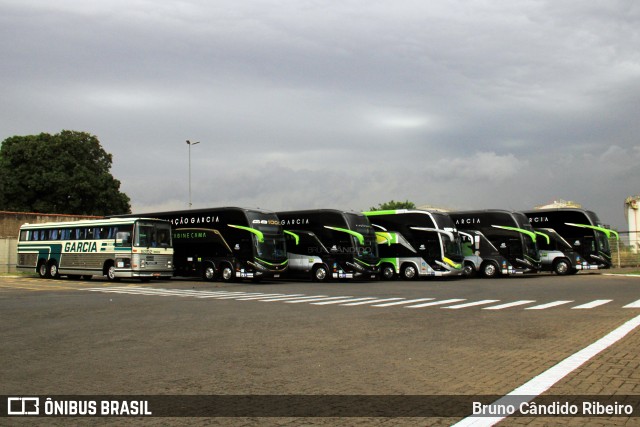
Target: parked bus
(330,244)
(416,243)
(227,244)
(497,242)
(585,241)
(116,248)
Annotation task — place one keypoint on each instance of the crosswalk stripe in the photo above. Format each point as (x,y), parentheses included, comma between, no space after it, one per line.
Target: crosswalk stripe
(410,301)
(246,295)
(296,301)
(472,304)
(372,301)
(293,297)
(635,304)
(548,305)
(341,301)
(509,304)
(263,296)
(592,304)
(429,304)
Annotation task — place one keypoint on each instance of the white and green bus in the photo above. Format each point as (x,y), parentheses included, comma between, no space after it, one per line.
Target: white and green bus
(116,248)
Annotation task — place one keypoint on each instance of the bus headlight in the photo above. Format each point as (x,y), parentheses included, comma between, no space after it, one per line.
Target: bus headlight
(123,262)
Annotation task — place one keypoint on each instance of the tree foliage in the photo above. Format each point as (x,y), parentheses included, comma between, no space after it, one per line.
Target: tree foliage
(68,173)
(392,204)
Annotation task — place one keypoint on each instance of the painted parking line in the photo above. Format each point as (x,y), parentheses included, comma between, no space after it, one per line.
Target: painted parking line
(633,305)
(264,296)
(592,304)
(341,301)
(372,301)
(548,305)
(408,301)
(249,295)
(293,297)
(430,304)
(472,304)
(297,301)
(509,304)
(543,382)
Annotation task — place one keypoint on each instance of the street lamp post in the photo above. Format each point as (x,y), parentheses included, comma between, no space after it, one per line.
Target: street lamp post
(190,144)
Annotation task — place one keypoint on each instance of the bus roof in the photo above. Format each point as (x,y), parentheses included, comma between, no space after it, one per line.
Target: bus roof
(202,210)
(90,222)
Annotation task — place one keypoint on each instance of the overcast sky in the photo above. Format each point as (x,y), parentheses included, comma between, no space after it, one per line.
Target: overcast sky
(343,104)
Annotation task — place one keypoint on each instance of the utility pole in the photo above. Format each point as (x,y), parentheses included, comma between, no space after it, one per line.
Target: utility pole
(190,144)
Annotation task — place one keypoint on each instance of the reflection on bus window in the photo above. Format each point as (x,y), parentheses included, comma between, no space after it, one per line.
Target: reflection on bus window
(123,239)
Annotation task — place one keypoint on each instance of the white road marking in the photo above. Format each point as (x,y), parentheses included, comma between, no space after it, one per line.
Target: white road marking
(248,295)
(509,304)
(633,305)
(263,296)
(472,304)
(372,301)
(592,304)
(410,301)
(543,382)
(292,297)
(316,299)
(341,301)
(548,305)
(429,304)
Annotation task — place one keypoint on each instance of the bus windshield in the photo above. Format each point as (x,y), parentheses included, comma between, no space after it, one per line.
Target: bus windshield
(367,249)
(452,248)
(152,234)
(271,245)
(272,248)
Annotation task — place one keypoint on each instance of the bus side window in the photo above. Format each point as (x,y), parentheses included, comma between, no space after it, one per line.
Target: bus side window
(123,239)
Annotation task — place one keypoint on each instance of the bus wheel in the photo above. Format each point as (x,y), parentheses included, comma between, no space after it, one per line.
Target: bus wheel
(561,267)
(468,270)
(489,270)
(111,273)
(227,274)
(43,271)
(409,272)
(209,273)
(53,270)
(387,272)
(320,273)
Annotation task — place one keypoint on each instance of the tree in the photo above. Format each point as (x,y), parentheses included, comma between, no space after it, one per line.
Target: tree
(63,173)
(391,205)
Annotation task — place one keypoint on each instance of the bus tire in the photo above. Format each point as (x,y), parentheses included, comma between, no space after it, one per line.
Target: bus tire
(209,272)
(52,270)
(320,273)
(469,270)
(562,267)
(387,272)
(227,274)
(409,272)
(42,269)
(110,272)
(490,270)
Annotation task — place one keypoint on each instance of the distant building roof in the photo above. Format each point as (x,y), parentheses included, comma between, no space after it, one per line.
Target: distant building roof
(559,204)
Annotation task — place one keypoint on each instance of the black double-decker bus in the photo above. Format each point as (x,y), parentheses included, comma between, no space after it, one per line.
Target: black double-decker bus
(416,243)
(326,244)
(497,242)
(227,244)
(577,233)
